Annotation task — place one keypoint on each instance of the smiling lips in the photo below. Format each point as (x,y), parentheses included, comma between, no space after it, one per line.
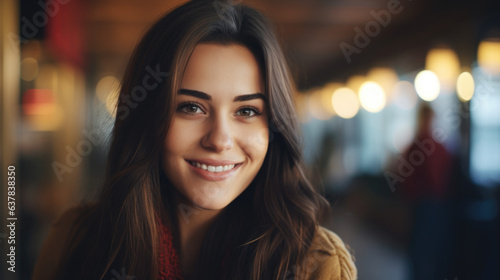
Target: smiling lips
(214,170)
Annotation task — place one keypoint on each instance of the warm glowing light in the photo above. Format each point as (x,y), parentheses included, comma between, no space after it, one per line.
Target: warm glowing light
(372,97)
(326,97)
(107,91)
(427,85)
(405,96)
(385,77)
(465,86)
(38,101)
(40,111)
(445,64)
(316,108)
(488,55)
(345,103)
(29,69)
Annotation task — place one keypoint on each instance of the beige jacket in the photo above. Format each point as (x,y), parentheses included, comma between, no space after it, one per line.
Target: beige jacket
(328,258)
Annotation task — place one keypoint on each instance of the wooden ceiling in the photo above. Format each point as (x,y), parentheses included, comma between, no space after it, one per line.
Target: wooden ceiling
(311,32)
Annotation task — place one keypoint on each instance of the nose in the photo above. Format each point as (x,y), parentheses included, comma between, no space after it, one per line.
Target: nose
(219,135)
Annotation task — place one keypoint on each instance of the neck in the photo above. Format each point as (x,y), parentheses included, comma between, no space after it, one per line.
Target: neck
(193,223)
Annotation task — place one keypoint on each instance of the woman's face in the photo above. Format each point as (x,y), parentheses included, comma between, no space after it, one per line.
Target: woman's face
(219,134)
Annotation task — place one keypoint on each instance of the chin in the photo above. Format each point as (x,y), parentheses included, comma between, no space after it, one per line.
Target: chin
(216,207)
(213,204)
(204,198)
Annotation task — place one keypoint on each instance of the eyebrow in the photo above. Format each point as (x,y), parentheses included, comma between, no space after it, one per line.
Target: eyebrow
(204,96)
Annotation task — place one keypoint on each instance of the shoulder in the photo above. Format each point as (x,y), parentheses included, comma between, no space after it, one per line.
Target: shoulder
(328,258)
(62,231)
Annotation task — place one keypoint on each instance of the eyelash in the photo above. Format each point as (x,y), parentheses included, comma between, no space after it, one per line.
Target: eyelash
(190,103)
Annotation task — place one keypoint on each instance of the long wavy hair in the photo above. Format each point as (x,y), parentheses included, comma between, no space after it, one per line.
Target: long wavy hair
(266,231)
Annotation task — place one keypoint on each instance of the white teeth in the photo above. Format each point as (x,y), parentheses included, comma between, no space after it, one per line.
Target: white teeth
(211,168)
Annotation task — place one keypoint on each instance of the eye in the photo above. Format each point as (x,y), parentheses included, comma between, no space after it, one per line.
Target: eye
(249,112)
(189,108)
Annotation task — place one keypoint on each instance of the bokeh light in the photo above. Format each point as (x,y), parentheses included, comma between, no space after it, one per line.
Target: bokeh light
(315,106)
(488,55)
(465,86)
(345,102)
(385,77)
(404,95)
(326,97)
(372,97)
(427,85)
(401,137)
(107,91)
(40,110)
(444,62)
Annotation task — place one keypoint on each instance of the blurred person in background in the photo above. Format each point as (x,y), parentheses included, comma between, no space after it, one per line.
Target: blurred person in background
(426,190)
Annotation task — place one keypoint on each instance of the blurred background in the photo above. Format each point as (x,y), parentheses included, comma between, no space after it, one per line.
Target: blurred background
(399,103)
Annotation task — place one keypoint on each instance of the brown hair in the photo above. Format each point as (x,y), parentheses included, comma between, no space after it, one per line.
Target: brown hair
(267,230)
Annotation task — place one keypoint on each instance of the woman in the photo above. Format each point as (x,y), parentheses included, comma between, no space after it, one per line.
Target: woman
(205,178)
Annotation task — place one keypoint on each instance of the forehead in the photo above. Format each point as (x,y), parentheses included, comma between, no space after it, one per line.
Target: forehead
(223,69)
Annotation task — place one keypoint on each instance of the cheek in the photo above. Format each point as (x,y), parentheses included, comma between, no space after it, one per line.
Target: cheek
(179,138)
(255,142)
(172,144)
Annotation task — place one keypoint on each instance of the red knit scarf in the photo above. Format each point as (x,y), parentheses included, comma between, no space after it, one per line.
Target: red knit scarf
(169,265)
